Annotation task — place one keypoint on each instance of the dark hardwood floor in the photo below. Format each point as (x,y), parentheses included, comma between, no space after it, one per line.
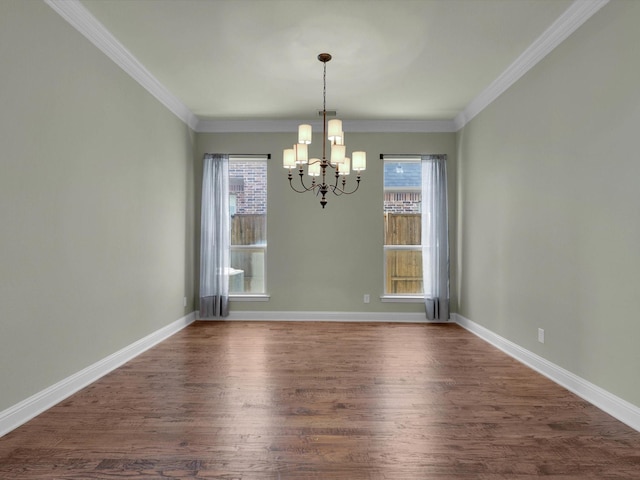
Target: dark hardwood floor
(252,400)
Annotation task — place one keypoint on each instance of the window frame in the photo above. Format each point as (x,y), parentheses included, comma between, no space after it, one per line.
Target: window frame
(399,297)
(245,296)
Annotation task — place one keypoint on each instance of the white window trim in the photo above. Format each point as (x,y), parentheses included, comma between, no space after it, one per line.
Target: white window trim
(417,298)
(243,297)
(389,297)
(252,297)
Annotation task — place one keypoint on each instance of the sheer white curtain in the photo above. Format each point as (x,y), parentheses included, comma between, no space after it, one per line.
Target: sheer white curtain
(215,238)
(435,237)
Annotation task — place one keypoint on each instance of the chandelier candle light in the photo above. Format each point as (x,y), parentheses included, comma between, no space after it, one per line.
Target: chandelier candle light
(332,133)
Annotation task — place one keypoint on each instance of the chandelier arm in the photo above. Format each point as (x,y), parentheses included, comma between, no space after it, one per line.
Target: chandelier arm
(342,191)
(313,185)
(335,187)
(336,191)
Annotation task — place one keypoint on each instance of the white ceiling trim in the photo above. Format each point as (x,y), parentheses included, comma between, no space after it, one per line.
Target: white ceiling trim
(577,13)
(81,19)
(351,126)
(400,126)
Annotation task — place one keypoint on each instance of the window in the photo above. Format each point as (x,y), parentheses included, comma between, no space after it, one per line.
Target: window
(248,206)
(403,226)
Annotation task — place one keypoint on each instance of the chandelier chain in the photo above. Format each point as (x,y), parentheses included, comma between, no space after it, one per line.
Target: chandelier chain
(324,88)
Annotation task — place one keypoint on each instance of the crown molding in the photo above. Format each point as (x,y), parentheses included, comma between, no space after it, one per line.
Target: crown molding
(400,126)
(577,13)
(249,126)
(352,126)
(81,19)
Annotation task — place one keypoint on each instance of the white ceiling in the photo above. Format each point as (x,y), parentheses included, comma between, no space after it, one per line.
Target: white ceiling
(402,60)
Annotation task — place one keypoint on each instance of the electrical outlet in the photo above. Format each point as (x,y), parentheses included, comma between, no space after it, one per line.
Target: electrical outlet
(184,302)
(541,335)
(367,298)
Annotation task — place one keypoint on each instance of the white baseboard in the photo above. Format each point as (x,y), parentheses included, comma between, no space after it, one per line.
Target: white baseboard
(399,317)
(615,406)
(24,411)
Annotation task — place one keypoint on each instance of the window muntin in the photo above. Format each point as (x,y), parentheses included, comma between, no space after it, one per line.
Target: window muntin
(403,226)
(248,206)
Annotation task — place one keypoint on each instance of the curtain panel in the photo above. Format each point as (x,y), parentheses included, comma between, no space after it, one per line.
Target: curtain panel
(215,238)
(435,237)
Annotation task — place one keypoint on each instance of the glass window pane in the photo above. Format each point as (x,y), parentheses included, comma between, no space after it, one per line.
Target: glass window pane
(402,202)
(402,228)
(403,225)
(403,272)
(249,229)
(248,184)
(402,185)
(247,270)
(248,204)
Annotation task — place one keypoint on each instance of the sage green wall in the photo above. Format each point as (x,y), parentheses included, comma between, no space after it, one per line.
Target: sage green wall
(325,261)
(549,221)
(96,205)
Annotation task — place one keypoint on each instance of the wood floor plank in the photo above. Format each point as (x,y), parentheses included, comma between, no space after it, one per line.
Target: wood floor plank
(303,400)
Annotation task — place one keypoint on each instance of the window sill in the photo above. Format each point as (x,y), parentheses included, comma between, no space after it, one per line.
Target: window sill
(262,297)
(401,299)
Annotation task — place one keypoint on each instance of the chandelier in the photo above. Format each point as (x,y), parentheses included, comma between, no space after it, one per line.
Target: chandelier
(332,133)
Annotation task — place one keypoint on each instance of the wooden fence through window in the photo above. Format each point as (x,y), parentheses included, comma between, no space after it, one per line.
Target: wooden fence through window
(403,267)
(247,230)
